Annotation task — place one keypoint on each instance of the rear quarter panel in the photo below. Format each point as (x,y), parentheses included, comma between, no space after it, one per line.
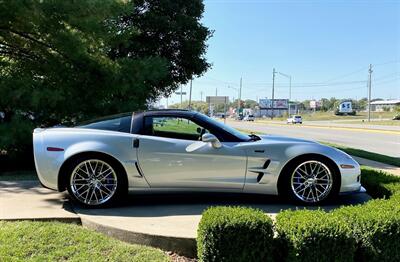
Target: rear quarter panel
(75,141)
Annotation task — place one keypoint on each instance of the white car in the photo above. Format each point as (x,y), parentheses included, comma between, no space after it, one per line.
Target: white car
(249,118)
(184,151)
(295,120)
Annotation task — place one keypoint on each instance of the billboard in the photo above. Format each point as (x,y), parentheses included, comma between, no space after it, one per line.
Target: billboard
(217,99)
(315,104)
(276,103)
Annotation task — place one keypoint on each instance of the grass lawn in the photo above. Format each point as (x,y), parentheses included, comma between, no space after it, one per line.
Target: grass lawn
(18,175)
(54,241)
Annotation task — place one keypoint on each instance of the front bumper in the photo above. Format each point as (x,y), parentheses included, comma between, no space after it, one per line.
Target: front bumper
(359,191)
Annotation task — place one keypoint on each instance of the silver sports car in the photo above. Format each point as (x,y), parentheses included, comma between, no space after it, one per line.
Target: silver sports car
(98,162)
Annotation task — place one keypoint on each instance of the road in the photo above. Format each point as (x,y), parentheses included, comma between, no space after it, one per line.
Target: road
(379,141)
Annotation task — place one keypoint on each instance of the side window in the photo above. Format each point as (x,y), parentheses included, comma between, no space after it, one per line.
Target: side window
(173,127)
(120,124)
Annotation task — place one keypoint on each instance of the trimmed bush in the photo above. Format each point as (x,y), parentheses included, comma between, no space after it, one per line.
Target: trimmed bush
(235,234)
(376,228)
(379,184)
(376,224)
(313,235)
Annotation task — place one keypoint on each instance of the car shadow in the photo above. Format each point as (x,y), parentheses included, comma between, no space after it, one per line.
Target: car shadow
(160,205)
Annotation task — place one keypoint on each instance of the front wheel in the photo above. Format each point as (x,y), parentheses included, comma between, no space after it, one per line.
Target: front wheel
(311,181)
(95,182)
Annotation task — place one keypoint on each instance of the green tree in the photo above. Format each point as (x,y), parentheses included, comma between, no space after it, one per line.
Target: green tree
(62,61)
(198,106)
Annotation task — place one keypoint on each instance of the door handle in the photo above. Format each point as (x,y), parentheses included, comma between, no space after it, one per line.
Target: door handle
(135,143)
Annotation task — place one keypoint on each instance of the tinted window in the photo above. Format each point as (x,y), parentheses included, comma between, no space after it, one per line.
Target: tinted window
(113,123)
(226,128)
(173,127)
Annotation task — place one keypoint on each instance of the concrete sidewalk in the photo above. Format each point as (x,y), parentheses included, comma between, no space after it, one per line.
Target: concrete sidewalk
(28,200)
(168,222)
(378,165)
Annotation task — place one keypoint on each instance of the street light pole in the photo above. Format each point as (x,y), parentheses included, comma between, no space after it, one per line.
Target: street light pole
(290,88)
(369,92)
(190,95)
(237,89)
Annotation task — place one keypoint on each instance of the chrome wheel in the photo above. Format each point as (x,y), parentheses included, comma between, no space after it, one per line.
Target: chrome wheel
(93,182)
(311,181)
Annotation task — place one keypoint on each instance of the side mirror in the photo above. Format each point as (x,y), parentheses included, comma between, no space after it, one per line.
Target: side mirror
(210,138)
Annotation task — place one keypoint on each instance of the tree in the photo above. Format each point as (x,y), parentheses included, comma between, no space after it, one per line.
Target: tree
(62,61)
(198,106)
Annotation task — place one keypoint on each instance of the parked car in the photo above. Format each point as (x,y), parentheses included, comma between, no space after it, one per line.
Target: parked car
(294,120)
(98,162)
(249,118)
(239,117)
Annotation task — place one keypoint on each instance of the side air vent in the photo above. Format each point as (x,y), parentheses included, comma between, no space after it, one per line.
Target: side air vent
(266,164)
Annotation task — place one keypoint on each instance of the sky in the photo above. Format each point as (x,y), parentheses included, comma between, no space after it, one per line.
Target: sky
(325,46)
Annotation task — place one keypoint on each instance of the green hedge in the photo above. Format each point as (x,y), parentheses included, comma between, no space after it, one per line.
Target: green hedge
(235,234)
(307,235)
(368,232)
(379,184)
(376,228)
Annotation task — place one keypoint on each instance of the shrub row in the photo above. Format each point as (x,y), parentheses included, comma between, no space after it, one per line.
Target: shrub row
(235,234)
(369,232)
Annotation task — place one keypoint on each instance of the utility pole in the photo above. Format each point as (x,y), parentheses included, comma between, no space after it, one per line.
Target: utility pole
(273,93)
(240,92)
(181,96)
(369,92)
(216,91)
(190,95)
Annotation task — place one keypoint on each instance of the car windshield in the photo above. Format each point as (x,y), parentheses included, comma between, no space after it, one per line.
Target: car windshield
(227,128)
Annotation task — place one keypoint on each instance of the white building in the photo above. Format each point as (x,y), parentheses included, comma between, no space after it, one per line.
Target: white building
(382,105)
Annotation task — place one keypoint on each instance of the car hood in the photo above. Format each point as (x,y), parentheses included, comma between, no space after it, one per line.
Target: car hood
(284,139)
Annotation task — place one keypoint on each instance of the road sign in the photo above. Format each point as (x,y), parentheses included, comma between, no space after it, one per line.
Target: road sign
(180,93)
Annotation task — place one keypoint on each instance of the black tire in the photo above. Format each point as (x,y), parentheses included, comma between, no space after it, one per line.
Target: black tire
(121,187)
(287,188)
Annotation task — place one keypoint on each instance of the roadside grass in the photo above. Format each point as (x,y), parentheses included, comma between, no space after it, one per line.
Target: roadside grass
(394,161)
(320,116)
(54,241)
(18,175)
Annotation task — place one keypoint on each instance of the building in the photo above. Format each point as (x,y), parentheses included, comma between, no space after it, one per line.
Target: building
(384,105)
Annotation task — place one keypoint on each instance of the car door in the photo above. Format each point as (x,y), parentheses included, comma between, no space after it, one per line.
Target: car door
(171,156)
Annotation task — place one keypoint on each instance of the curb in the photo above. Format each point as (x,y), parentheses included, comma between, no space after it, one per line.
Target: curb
(179,245)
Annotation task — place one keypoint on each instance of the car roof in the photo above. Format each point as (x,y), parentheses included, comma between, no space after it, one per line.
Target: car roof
(180,112)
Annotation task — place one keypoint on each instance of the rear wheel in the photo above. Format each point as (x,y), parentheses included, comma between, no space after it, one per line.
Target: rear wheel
(95,182)
(311,181)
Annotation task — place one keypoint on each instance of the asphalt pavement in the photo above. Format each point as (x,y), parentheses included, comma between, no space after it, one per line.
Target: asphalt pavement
(385,142)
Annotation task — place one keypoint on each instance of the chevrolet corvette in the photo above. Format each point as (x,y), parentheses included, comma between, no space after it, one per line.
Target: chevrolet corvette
(100,161)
